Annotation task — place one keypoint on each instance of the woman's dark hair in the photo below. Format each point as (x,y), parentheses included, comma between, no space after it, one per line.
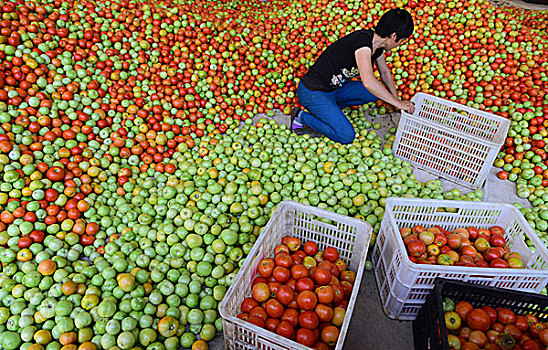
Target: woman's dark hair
(397,21)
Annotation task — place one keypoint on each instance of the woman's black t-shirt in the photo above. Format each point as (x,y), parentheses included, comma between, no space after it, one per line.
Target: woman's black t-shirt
(337,64)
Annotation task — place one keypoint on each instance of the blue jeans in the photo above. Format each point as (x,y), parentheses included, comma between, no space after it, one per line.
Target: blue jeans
(324,109)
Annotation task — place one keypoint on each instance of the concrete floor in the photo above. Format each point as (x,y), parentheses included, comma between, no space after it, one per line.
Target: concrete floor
(370,328)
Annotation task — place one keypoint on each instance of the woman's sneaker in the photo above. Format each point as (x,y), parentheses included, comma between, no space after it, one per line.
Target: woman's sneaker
(295,120)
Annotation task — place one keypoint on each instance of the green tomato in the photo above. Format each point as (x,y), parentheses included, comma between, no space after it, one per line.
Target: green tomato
(187,339)
(10,340)
(147,336)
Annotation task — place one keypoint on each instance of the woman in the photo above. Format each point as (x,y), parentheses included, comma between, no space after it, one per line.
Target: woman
(327,86)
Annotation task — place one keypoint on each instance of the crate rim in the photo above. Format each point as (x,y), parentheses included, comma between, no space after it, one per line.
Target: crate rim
(253,253)
(449,130)
(435,268)
(493,115)
(440,282)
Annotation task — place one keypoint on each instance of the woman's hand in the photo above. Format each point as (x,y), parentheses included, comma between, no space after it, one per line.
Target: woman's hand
(407,106)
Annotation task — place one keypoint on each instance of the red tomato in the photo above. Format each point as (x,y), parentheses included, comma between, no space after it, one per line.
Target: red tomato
(469,251)
(261,292)
(304,284)
(493,253)
(513,331)
(307,300)
(325,294)
(324,312)
(273,286)
(310,248)
(55,174)
(248,304)
(347,288)
(530,345)
(306,337)
(322,276)
(296,259)
(498,264)
(331,254)
(24,242)
(259,312)
(282,248)
(285,329)
(349,276)
(321,346)
(292,316)
(274,308)
(474,232)
(464,333)
(338,293)
(281,274)
(497,327)
(496,230)
(271,324)
(299,271)
(521,323)
(531,319)
(535,329)
(293,243)
(256,321)
(543,336)
(329,335)
(265,267)
(439,239)
(469,346)
(301,254)
(478,337)
(243,316)
(416,248)
(505,316)
(497,240)
(285,295)
(462,308)
(492,313)
(291,283)
(329,266)
(283,260)
(309,319)
(37,236)
(478,319)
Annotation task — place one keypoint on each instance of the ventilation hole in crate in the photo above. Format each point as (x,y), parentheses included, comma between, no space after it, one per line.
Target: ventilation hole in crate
(384,289)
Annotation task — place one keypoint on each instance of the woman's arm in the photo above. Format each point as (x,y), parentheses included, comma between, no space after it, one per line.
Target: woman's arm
(386,76)
(363,59)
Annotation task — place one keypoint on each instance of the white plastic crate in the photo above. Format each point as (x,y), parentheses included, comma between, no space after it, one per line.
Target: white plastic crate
(450,140)
(350,236)
(403,285)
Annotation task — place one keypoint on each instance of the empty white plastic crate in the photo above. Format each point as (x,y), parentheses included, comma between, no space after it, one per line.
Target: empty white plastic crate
(350,236)
(403,285)
(450,140)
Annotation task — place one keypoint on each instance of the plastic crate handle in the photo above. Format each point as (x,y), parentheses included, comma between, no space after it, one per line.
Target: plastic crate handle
(474,278)
(446,210)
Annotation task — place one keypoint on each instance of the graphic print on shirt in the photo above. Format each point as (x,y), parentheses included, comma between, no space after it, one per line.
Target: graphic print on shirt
(339,79)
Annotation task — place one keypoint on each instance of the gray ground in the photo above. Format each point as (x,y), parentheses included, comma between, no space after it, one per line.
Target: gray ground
(370,327)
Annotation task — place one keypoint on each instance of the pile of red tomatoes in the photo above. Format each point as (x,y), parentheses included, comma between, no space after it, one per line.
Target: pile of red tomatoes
(490,328)
(301,293)
(470,247)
